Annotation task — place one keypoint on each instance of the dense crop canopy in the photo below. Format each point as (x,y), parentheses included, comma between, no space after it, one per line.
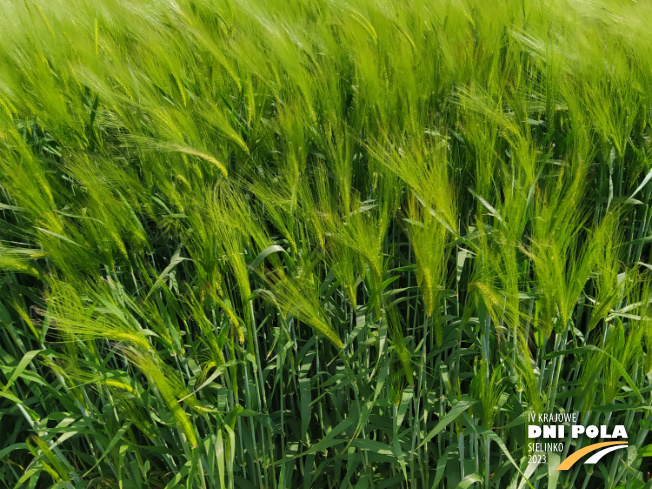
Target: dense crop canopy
(320,243)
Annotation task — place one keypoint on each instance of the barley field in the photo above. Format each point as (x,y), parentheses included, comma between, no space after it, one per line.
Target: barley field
(323,243)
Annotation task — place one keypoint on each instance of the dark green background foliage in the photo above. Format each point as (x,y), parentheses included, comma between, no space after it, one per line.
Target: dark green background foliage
(319,244)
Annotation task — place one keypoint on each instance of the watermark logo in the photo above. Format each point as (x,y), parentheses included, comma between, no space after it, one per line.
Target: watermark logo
(555,427)
(604,448)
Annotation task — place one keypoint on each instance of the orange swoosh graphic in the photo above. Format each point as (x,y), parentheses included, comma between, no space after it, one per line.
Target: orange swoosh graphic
(570,460)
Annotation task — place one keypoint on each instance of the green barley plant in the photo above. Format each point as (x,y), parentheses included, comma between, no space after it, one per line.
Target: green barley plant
(322,244)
